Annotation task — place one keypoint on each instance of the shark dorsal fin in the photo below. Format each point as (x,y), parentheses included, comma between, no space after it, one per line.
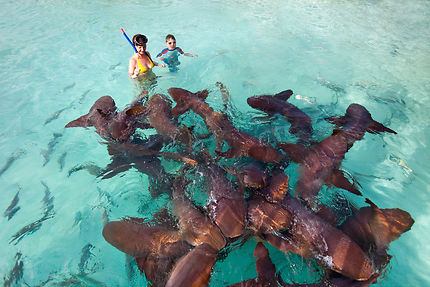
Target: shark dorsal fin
(284,95)
(202,94)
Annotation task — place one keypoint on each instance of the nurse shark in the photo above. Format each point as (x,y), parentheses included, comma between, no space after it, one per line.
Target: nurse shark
(240,143)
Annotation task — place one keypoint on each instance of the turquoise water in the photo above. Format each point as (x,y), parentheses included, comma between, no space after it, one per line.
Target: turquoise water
(58,57)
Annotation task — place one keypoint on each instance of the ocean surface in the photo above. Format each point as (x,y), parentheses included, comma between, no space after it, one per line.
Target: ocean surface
(58,57)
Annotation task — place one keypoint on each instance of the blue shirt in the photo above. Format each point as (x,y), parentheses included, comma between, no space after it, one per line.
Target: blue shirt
(171,56)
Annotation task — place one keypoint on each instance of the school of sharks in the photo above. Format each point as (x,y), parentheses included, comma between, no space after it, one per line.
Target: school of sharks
(250,200)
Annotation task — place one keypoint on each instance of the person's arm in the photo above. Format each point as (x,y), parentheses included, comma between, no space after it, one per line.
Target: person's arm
(160,55)
(190,55)
(132,68)
(186,54)
(155,63)
(159,65)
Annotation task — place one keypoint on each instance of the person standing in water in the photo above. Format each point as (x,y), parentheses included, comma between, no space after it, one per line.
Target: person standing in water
(140,63)
(170,54)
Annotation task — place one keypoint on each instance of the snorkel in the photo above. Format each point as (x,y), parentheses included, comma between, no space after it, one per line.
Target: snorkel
(125,35)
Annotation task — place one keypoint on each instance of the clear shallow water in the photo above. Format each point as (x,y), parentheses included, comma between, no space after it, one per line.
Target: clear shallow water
(57,58)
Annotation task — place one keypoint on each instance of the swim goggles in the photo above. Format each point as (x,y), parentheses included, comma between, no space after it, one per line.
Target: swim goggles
(140,44)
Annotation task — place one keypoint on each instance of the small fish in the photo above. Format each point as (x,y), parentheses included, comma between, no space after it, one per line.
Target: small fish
(112,67)
(27,230)
(61,160)
(401,163)
(78,218)
(105,217)
(12,208)
(364,84)
(48,213)
(335,88)
(373,176)
(82,97)
(67,87)
(70,280)
(10,160)
(85,256)
(51,146)
(15,275)
(90,167)
(55,115)
(48,203)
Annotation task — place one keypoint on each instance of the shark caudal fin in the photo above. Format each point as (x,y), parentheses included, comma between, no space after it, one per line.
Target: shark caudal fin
(284,95)
(79,122)
(266,270)
(376,127)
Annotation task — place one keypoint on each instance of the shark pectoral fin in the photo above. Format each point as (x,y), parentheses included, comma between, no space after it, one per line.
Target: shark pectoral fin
(338,179)
(113,170)
(137,111)
(79,122)
(179,109)
(376,127)
(284,95)
(297,152)
(338,121)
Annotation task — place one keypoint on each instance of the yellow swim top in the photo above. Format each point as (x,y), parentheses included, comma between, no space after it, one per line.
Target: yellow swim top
(141,67)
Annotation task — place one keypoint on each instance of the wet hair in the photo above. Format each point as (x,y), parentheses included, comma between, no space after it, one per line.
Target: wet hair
(139,40)
(170,36)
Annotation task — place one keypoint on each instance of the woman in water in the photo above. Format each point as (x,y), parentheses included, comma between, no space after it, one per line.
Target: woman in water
(140,64)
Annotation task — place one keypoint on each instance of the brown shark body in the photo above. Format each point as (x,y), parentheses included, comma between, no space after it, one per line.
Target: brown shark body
(301,123)
(311,236)
(320,163)
(158,112)
(240,143)
(108,122)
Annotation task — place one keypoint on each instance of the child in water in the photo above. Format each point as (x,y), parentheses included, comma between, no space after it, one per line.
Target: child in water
(170,54)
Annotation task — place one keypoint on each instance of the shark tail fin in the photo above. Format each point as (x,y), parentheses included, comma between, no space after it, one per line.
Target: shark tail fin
(79,122)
